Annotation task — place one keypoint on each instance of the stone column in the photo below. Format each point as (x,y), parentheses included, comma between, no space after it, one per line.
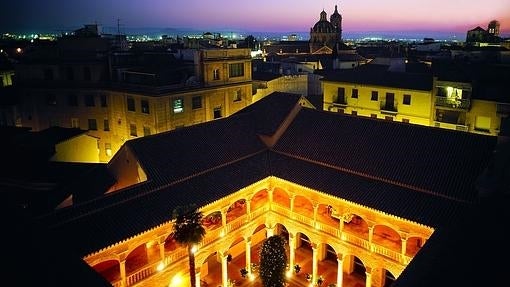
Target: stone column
(248,207)
(224,270)
(269,231)
(292,251)
(339,271)
(248,254)
(370,237)
(197,276)
(341,226)
(161,244)
(315,208)
(314,263)
(368,272)
(292,198)
(404,246)
(123,273)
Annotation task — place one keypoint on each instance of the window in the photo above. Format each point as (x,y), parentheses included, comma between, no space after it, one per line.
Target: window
(104,103)
(75,123)
(145,106)
(388,118)
(354,113)
(216,74)
(106,125)
(196,102)
(373,116)
(375,96)
(178,105)
(217,113)
(51,99)
(407,100)
(354,93)
(340,111)
(70,73)
(237,95)
(72,100)
(482,124)
(146,131)
(132,130)
(340,96)
(405,121)
(236,70)
(92,124)
(131,104)
(89,101)
(108,149)
(87,75)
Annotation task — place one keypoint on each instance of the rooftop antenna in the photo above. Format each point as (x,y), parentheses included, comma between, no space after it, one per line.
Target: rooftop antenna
(118,26)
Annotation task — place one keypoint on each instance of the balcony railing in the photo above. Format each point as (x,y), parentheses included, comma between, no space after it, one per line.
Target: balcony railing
(281,211)
(453,103)
(340,101)
(388,107)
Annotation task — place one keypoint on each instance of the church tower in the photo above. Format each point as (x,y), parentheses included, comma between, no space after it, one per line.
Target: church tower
(336,20)
(323,36)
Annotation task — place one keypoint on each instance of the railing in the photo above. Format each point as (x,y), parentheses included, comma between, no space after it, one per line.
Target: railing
(450,126)
(141,274)
(462,104)
(355,240)
(340,101)
(213,235)
(390,107)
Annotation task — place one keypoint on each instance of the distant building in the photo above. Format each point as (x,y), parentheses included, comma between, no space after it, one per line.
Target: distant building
(325,35)
(479,36)
(118,95)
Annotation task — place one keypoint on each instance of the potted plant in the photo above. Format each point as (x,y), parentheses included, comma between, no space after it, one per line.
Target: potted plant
(244,272)
(229,258)
(297,268)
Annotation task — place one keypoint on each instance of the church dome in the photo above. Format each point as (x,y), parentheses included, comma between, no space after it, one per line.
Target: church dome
(323,25)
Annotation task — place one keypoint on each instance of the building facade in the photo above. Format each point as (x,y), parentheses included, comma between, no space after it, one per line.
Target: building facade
(129,108)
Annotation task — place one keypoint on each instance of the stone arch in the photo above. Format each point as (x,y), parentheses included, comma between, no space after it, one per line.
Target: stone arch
(137,258)
(413,245)
(303,205)
(212,220)
(281,197)
(210,264)
(236,209)
(325,215)
(354,223)
(170,243)
(259,199)
(108,269)
(354,264)
(382,277)
(386,236)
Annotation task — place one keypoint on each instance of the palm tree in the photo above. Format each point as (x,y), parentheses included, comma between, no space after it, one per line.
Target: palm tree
(189,231)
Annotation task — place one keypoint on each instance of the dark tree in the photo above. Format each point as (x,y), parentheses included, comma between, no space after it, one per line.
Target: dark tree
(250,41)
(188,231)
(273,261)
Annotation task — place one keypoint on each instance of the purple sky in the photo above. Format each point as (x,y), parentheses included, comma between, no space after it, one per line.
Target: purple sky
(260,15)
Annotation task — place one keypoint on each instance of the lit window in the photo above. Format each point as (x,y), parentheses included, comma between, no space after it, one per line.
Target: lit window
(216,74)
(178,105)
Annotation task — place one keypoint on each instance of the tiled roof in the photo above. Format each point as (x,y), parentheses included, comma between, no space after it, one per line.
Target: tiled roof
(442,162)
(414,81)
(424,174)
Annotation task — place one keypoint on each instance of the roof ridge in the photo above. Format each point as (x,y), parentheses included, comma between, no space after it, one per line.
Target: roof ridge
(381,179)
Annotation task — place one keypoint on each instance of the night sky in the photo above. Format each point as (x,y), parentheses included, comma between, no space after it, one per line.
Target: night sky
(260,15)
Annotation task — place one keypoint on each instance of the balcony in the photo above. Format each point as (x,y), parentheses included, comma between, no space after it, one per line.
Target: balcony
(340,101)
(454,103)
(388,108)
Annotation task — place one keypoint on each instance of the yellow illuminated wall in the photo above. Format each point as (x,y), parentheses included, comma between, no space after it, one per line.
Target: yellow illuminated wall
(81,148)
(418,110)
